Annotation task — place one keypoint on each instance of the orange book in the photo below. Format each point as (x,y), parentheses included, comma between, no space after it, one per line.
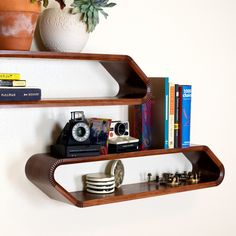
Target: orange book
(171,115)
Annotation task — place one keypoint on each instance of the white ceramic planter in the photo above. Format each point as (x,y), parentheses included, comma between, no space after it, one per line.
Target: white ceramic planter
(62,31)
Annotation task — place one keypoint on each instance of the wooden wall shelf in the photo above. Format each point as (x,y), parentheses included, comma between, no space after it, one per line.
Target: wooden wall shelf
(40,170)
(133,83)
(134,89)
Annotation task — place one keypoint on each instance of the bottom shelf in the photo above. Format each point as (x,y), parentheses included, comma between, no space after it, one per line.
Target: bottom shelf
(40,170)
(134,191)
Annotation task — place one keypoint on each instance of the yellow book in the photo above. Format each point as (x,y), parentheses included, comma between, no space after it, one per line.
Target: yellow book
(9,76)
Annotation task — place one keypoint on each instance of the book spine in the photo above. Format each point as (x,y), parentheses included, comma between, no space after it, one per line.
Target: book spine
(180,118)
(176,118)
(166,130)
(146,125)
(13,83)
(171,115)
(9,76)
(135,122)
(186,114)
(27,94)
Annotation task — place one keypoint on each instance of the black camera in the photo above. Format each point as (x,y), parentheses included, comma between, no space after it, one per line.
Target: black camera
(74,139)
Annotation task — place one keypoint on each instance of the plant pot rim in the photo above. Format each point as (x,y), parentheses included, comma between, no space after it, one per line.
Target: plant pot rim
(20,5)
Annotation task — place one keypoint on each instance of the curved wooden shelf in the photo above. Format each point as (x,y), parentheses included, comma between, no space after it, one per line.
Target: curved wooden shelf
(134,89)
(133,83)
(40,170)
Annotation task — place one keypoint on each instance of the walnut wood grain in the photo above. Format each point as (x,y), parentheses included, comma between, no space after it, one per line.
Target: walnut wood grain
(133,90)
(133,83)
(40,170)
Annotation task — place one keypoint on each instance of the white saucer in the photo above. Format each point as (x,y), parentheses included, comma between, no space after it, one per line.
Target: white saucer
(101,183)
(100,191)
(100,187)
(100,177)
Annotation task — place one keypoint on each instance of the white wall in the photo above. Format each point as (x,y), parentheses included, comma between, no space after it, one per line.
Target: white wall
(190,41)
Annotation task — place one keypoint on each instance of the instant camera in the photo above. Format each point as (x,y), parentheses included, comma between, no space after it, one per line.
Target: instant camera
(119,138)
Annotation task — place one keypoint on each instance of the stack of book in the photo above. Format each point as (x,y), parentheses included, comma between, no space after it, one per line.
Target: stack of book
(164,120)
(12,88)
(171,113)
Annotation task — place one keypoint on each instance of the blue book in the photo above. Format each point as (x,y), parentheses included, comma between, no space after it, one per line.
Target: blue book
(20,94)
(185,96)
(166,122)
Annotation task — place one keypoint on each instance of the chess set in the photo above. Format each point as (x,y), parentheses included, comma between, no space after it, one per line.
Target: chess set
(176,179)
(105,183)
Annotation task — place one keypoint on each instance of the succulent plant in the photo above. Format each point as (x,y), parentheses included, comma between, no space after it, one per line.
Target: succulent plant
(45,2)
(90,10)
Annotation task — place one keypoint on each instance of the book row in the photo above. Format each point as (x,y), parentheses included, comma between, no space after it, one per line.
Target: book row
(164,120)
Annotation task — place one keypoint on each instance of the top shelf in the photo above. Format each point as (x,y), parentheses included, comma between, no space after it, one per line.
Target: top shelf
(133,83)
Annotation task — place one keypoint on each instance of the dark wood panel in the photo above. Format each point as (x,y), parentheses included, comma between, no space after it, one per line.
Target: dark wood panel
(134,191)
(73,102)
(40,170)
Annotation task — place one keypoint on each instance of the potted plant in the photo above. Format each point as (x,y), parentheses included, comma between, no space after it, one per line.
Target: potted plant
(71,25)
(17,22)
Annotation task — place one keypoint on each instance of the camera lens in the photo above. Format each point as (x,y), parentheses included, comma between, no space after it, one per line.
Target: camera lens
(81,132)
(119,129)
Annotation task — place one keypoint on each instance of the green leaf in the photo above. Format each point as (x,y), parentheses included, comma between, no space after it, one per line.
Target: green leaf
(104,13)
(45,3)
(75,10)
(84,18)
(90,10)
(112,4)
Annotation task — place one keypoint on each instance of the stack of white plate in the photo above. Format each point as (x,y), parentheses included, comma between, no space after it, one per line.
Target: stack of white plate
(100,183)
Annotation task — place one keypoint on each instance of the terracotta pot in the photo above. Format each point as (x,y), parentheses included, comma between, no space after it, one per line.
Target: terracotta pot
(17,24)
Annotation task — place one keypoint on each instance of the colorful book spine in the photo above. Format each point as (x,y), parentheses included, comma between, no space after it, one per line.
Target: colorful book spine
(20,94)
(13,83)
(185,97)
(146,125)
(176,126)
(140,124)
(171,115)
(166,122)
(9,76)
(135,122)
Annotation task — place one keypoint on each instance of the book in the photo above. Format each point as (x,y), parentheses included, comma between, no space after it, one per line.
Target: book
(176,126)
(171,115)
(20,94)
(13,83)
(160,111)
(135,123)
(140,124)
(146,124)
(185,97)
(9,76)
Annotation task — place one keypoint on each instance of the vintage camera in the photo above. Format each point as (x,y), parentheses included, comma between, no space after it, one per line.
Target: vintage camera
(74,139)
(119,138)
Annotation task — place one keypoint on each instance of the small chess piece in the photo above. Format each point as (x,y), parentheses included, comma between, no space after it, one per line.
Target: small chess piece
(149,177)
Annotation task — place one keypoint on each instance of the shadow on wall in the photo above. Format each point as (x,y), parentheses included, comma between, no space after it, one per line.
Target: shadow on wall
(16,169)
